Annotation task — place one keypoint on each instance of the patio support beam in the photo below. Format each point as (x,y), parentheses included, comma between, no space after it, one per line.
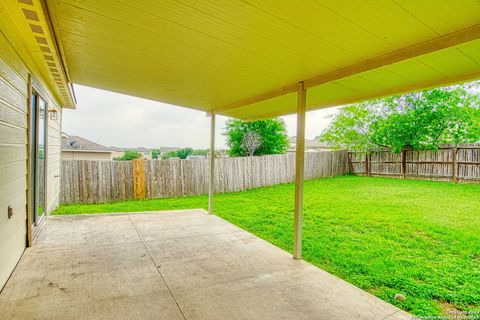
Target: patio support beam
(299,171)
(211,185)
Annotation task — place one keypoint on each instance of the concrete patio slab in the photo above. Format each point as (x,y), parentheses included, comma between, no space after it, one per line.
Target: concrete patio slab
(173,265)
(85,231)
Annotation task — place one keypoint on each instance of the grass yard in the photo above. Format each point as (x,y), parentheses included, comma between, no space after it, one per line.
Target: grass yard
(387,236)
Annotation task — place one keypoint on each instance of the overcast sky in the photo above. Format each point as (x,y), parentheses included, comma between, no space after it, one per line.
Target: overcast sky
(114,119)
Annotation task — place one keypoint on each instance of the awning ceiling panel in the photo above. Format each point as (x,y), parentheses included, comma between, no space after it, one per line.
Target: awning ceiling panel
(209,55)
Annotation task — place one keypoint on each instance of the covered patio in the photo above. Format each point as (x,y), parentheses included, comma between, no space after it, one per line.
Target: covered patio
(243,59)
(251,60)
(173,265)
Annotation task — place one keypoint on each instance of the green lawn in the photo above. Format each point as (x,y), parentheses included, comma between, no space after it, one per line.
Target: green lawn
(387,236)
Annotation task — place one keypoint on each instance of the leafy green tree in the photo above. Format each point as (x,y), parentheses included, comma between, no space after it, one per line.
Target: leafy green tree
(273,135)
(426,119)
(184,153)
(181,153)
(420,120)
(351,127)
(130,155)
(168,155)
(155,153)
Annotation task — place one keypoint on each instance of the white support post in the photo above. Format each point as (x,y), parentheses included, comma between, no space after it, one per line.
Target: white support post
(211,186)
(299,172)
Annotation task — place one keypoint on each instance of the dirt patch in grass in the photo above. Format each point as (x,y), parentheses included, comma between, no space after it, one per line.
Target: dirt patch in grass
(450,311)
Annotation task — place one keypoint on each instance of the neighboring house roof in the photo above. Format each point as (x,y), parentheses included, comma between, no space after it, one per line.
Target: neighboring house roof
(79,144)
(139,149)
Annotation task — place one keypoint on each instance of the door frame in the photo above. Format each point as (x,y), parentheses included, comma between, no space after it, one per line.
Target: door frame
(32,142)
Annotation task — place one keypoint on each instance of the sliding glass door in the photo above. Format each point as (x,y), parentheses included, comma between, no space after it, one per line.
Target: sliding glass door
(38,143)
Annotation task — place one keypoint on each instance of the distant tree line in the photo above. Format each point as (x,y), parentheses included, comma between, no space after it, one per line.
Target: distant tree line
(184,153)
(129,155)
(156,154)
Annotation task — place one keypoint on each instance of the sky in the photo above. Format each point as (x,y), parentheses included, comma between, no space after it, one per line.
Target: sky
(114,119)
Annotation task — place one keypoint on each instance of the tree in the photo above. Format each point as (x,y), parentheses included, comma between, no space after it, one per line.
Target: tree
(184,153)
(420,120)
(251,141)
(168,155)
(130,155)
(155,153)
(273,135)
(426,119)
(351,127)
(181,153)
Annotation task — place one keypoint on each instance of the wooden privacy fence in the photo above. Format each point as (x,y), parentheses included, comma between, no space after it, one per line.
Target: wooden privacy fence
(86,181)
(449,163)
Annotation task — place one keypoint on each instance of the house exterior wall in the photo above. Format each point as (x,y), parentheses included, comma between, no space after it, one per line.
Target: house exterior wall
(13,155)
(85,155)
(14,73)
(53,161)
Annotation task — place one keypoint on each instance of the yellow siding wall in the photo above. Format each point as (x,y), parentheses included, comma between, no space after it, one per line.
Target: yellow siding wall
(13,155)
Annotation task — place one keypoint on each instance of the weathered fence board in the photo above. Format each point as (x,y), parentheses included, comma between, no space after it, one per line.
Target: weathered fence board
(85,181)
(449,163)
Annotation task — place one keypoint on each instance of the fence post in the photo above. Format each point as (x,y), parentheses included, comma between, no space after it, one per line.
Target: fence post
(404,163)
(367,167)
(139,183)
(454,164)
(182,177)
(349,163)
